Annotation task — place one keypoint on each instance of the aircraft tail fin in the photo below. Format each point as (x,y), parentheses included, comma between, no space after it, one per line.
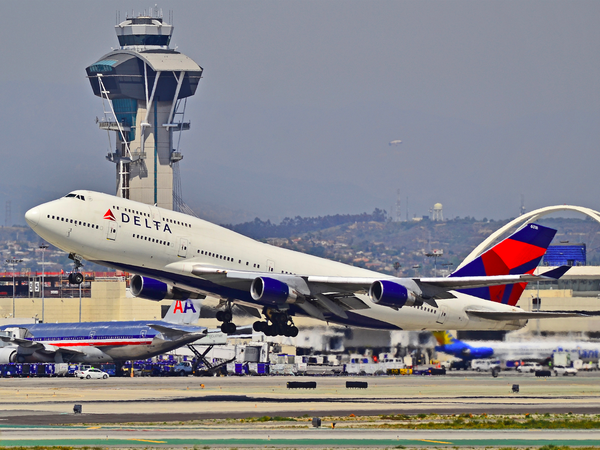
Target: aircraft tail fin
(443,337)
(520,253)
(183,312)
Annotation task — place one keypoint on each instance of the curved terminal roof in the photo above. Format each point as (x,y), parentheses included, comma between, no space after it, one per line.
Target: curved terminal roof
(523,220)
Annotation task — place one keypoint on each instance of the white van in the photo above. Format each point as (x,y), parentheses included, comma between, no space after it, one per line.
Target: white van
(484,364)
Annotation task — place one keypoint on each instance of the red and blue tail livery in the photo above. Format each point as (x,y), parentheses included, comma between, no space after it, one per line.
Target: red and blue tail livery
(520,253)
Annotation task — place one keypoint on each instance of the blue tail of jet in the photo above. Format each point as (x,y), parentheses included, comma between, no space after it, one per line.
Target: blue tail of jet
(450,345)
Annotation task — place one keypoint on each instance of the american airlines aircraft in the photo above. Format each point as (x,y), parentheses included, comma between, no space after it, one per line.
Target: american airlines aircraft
(95,342)
(178,256)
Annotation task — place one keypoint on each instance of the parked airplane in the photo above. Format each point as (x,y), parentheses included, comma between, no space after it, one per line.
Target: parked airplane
(452,346)
(539,349)
(178,256)
(94,342)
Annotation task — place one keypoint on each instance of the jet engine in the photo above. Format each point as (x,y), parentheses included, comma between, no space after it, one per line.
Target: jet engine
(271,291)
(8,355)
(394,295)
(152,289)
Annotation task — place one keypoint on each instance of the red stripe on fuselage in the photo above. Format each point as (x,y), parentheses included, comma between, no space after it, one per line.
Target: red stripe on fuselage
(97,343)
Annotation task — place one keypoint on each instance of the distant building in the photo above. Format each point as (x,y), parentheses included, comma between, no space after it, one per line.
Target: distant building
(565,255)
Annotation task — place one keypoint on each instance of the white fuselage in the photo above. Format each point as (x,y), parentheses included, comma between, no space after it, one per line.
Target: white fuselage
(144,239)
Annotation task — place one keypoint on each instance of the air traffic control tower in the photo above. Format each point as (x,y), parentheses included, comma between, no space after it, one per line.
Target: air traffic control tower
(144,86)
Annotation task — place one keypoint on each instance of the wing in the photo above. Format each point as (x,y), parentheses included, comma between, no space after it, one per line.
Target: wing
(321,295)
(520,315)
(174,333)
(35,346)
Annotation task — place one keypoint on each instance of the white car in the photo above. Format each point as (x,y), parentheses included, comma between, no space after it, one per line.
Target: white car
(565,371)
(529,367)
(484,364)
(91,373)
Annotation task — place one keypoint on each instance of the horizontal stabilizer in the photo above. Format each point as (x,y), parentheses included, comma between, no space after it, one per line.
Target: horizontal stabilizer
(555,274)
(521,315)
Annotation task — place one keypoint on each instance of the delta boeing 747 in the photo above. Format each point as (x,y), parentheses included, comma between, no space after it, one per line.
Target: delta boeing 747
(175,255)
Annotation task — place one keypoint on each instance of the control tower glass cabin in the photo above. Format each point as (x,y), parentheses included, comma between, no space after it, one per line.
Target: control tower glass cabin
(142,85)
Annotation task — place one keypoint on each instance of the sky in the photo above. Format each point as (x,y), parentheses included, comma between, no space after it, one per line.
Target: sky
(299,100)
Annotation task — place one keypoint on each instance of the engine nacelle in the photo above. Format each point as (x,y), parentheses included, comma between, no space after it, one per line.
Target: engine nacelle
(8,355)
(394,295)
(152,289)
(269,290)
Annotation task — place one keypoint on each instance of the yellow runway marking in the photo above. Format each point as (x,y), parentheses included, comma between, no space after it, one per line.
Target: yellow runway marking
(435,442)
(93,428)
(146,440)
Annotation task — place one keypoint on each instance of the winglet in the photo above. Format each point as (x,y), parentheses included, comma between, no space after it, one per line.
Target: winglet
(555,273)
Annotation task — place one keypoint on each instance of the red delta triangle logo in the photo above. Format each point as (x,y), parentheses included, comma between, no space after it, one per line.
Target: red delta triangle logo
(109,215)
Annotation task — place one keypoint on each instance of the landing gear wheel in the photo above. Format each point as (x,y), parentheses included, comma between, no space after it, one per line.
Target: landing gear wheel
(221,316)
(228,328)
(78,278)
(259,326)
(75,278)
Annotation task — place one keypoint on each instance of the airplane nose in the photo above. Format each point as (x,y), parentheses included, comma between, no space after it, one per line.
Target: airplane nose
(32,217)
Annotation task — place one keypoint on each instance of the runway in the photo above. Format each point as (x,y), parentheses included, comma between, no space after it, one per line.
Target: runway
(182,411)
(307,437)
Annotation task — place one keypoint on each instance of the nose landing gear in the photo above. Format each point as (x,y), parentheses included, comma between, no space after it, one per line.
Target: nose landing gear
(76,277)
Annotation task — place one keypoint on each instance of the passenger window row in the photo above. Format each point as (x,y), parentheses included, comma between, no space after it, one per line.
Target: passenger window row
(426,309)
(74,222)
(226,258)
(156,241)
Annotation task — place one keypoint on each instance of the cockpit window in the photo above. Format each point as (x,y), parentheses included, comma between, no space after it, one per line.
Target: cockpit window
(80,197)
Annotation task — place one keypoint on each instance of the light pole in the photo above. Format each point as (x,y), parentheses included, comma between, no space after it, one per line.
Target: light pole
(13,262)
(43,247)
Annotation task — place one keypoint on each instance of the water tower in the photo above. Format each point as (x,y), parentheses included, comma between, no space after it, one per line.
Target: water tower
(144,86)
(437,213)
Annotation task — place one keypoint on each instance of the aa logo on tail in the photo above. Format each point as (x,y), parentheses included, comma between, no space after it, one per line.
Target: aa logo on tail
(189,306)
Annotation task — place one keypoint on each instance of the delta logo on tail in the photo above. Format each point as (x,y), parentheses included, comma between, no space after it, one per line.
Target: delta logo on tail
(450,345)
(518,254)
(108,215)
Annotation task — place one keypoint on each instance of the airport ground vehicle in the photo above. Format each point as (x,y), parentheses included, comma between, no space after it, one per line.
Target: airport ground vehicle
(484,364)
(565,371)
(529,367)
(183,368)
(91,373)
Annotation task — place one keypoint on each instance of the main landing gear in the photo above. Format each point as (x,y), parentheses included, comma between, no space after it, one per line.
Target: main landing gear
(227,327)
(281,324)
